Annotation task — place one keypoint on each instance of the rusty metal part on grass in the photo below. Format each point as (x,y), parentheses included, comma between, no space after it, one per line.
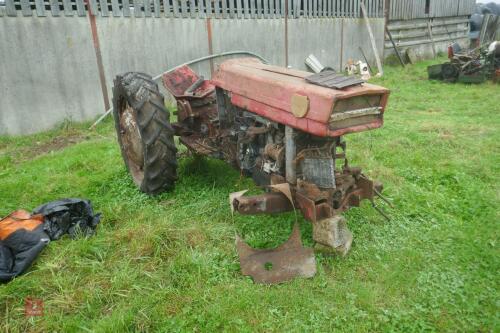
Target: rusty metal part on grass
(269,203)
(281,264)
(279,201)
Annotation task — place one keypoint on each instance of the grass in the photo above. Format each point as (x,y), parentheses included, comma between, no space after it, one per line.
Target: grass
(169,263)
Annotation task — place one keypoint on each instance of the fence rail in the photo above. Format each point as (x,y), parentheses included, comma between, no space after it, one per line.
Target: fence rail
(240,9)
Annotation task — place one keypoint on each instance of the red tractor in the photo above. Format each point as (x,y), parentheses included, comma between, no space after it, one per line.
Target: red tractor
(283,127)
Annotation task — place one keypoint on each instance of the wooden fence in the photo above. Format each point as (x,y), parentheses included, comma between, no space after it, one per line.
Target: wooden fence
(412,9)
(240,9)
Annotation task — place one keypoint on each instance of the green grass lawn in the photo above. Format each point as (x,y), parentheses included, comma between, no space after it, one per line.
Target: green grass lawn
(169,263)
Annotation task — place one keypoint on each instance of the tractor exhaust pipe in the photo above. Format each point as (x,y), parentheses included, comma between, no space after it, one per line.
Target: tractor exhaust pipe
(290,152)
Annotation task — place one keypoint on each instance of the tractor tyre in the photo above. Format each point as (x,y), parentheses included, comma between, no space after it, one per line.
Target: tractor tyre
(144,132)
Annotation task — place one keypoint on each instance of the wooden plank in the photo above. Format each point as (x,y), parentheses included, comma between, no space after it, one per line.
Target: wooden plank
(125,8)
(224,9)
(184,10)
(156,7)
(40,8)
(54,8)
(217,8)
(266,8)
(137,8)
(232,10)
(26,8)
(372,40)
(252,9)
(239,9)
(80,7)
(104,7)
(259,8)
(93,7)
(209,10)
(429,29)
(147,8)
(175,8)
(296,12)
(192,8)
(315,8)
(68,7)
(246,9)
(10,9)
(115,8)
(201,9)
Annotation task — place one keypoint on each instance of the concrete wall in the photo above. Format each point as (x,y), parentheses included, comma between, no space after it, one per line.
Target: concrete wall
(319,37)
(356,36)
(151,46)
(265,37)
(48,71)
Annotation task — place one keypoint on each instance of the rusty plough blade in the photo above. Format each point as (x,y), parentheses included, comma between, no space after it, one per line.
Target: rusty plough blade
(281,264)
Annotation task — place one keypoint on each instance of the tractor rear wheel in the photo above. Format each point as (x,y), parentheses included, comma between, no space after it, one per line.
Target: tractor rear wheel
(144,132)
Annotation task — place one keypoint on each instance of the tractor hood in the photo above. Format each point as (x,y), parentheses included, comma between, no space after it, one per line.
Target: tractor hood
(283,95)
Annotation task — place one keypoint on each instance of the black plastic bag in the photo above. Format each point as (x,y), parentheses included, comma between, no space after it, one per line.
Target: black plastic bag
(23,235)
(68,216)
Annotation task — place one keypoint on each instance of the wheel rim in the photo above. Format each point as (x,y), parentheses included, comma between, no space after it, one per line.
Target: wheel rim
(132,142)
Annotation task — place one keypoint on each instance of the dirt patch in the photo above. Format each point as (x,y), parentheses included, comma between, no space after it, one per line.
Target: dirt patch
(42,148)
(434,110)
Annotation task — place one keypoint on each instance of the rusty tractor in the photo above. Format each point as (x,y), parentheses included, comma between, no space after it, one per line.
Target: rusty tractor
(283,127)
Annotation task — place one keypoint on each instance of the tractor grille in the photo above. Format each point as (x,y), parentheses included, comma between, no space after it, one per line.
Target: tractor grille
(356,111)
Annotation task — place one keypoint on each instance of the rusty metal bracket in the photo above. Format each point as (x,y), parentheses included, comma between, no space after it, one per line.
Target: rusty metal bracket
(281,264)
(268,203)
(279,201)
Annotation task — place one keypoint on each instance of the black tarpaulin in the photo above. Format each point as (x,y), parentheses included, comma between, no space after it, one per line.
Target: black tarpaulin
(23,235)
